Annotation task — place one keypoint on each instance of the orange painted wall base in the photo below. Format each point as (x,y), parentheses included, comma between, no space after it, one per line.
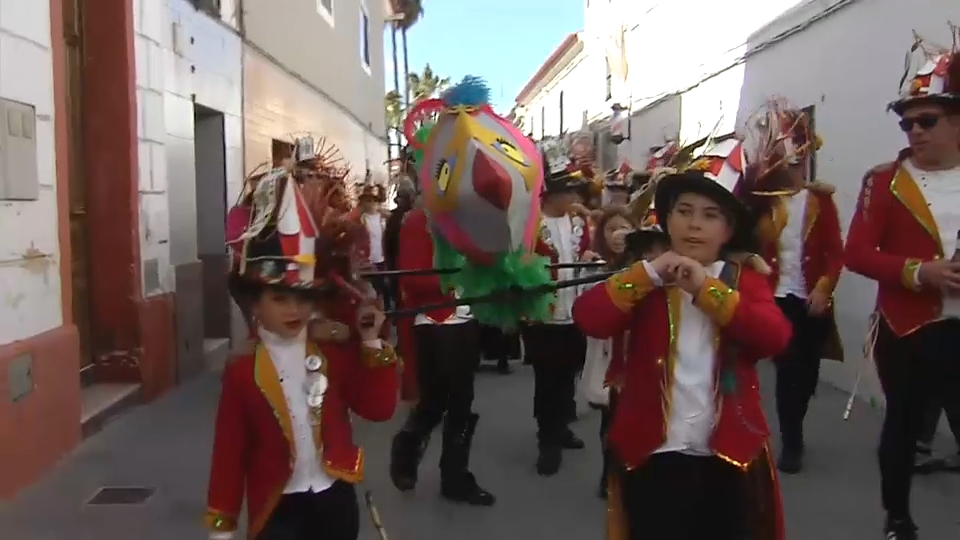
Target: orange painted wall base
(39,429)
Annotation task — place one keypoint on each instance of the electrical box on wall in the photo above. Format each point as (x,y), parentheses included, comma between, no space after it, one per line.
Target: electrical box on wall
(18,152)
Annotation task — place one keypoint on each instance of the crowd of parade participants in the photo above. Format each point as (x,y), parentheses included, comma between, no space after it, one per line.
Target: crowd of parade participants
(672,282)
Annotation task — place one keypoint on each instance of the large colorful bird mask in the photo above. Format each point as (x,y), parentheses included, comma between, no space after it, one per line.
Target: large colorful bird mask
(480,177)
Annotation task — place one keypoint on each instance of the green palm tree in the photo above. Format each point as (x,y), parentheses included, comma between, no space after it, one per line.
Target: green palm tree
(394,108)
(426,84)
(412,11)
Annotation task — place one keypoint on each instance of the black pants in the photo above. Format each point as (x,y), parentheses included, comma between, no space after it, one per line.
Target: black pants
(674,496)
(557,352)
(329,515)
(447,357)
(939,406)
(914,370)
(382,286)
(497,344)
(606,418)
(798,368)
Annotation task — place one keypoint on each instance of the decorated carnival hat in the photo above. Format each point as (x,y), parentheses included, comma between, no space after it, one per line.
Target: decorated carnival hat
(777,136)
(295,234)
(932,74)
(619,179)
(723,161)
(646,238)
(562,174)
(273,238)
(371,192)
(673,185)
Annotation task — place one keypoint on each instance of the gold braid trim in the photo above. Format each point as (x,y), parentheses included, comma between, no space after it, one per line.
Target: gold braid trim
(909,274)
(629,287)
(717,300)
(372,357)
(220,521)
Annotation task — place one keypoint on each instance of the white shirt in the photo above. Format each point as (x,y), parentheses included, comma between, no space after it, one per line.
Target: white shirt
(692,407)
(374,223)
(561,237)
(288,356)
(941,189)
(790,255)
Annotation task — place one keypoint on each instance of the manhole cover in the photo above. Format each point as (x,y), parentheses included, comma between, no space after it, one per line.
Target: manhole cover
(121,496)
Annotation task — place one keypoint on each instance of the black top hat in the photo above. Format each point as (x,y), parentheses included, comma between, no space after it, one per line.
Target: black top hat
(566,180)
(644,239)
(672,186)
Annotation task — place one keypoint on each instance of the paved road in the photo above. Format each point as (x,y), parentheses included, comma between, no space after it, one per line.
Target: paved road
(166,445)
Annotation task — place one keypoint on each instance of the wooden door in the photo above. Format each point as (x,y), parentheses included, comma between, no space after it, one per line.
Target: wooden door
(72,29)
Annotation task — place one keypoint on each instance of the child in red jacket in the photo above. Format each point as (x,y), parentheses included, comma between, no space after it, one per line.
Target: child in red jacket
(283,439)
(688,428)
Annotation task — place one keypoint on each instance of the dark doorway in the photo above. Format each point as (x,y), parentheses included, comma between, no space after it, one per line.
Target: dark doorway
(211,187)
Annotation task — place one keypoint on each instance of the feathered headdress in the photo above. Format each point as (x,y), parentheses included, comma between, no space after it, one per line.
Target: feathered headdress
(292,225)
(931,73)
(777,135)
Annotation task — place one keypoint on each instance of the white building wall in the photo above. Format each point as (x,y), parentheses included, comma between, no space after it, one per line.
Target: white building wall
(572,79)
(278,105)
(849,66)
(182,56)
(30,257)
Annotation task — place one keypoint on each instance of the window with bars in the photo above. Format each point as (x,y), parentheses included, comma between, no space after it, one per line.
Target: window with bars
(543,122)
(561,113)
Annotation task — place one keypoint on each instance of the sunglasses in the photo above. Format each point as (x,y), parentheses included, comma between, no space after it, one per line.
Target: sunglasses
(924,122)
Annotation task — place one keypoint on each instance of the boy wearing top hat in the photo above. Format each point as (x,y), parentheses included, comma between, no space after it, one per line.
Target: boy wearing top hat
(556,348)
(902,235)
(688,428)
(283,438)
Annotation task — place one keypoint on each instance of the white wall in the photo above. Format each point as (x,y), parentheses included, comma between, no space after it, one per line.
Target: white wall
(830,65)
(181,55)
(30,258)
(651,127)
(277,105)
(574,81)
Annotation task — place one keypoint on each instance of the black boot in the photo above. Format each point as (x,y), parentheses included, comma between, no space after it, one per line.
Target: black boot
(407,450)
(457,483)
(503,366)
(551,450)
(570,441)
(791,456)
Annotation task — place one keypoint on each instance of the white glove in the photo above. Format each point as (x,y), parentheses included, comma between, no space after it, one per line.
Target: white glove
(219,535)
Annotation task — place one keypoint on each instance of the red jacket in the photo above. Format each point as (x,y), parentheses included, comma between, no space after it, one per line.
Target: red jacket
(892,232)
(648,313)
(822,258)
(630,302)
(253,450)
(416,253)
(822,243)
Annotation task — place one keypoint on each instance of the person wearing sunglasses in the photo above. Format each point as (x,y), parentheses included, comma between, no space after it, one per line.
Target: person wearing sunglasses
(902,236)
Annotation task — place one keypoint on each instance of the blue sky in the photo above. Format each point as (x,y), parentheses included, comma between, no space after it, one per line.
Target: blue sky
(503,41)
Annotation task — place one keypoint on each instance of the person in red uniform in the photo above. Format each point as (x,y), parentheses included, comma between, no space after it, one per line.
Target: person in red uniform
(448,353)
(902,235)
(688,428)
(800,239)
(556,348)
(283,440)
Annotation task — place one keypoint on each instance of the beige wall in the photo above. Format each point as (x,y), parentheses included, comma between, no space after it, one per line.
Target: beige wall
(325,51)
(277,105)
